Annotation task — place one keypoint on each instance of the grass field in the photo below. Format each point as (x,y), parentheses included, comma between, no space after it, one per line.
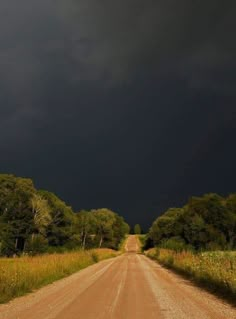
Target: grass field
(22,275)
(215,270)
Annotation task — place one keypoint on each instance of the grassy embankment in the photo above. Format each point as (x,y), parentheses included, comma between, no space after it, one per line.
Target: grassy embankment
(142,239)
(214,270)
(22,275)
(122,244)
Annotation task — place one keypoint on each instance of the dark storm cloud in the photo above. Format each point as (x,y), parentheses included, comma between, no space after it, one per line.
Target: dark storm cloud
(130,35)
(127,103)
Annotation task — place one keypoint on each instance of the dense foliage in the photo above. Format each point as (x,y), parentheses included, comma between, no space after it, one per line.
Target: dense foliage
(205,223)
(35,221)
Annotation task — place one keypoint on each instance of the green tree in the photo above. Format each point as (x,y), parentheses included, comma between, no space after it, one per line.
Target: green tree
(104,220)
(230,204)
(7,239)
(207,222)
(85,226)
(137,229)
(15,209)
(35,221)
(41,213)
(120,229)
(62,226)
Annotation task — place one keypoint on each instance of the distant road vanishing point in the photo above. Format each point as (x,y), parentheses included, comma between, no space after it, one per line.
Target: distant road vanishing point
(127,287)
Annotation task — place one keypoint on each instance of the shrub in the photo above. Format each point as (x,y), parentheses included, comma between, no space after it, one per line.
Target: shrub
(176,244)
(36,245)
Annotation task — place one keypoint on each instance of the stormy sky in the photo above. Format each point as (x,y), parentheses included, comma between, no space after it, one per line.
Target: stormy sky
(127,104)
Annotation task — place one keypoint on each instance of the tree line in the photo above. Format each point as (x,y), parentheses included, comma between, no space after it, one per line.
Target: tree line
(36,221)
(204,223)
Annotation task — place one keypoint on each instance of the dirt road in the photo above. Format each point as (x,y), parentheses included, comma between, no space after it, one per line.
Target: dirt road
(128,287)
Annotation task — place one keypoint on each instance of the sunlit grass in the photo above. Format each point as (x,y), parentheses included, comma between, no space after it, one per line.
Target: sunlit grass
(217,270)
(142,239)
(123,243)
(22,275)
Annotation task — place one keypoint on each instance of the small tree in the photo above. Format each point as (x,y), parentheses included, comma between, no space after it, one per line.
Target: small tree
(137,229)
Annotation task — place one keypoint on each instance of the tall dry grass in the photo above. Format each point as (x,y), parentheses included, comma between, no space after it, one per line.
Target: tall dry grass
(22,275)
(216,270)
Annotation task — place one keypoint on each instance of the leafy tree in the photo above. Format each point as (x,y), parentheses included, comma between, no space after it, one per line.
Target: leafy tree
(39,221)
(41,213)
(120,229)
(7,239)
(61,228)
(207,222)
(85,226)
(137,229)
(104,220)
(230,205)
(15,208)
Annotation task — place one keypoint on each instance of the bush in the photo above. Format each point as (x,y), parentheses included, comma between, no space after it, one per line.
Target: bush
(7,247)
(36,245)
(176,244)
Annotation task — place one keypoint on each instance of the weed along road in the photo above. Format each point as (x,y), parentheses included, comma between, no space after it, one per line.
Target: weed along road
(127,287)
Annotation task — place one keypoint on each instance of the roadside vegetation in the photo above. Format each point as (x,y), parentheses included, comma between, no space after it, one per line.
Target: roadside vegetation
(42,239)
(122,244)
(215,270)
(23,275)
(37,221)
(142,239)
(199,240)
